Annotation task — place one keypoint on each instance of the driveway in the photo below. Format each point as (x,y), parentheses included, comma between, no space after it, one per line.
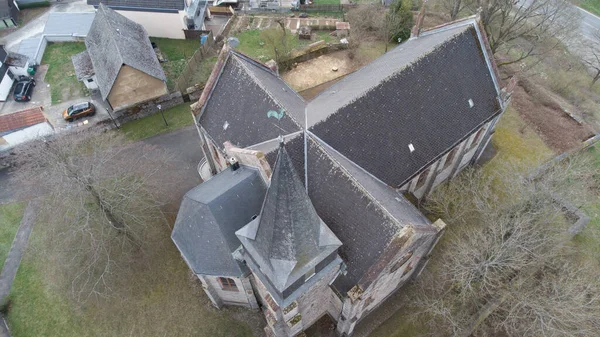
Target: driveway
(40,95)
(36,27)
(54,113)
(589,23)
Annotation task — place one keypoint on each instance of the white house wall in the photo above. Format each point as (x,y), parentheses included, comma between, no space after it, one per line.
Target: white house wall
(90,85)
(231,297)
(5,86)
(18,71)
(169,25)
(27,134)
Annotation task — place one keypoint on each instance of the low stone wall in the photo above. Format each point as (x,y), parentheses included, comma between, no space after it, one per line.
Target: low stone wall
(148,108)
(315,50)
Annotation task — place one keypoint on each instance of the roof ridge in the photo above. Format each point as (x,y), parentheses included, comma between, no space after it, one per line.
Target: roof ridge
(267,69)
(387,77)
(112,40)
(262,86)
(355,181)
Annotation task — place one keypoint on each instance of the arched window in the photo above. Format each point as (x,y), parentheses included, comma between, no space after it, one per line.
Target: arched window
(227,284)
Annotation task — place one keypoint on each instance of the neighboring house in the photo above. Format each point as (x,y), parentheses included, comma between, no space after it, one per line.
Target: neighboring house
(120,61)
(314,192)
(11,66)
(9,14)
(161,18)
(60,27)
(21,126)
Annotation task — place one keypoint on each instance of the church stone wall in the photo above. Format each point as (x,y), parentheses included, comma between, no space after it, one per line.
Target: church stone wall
(397,272)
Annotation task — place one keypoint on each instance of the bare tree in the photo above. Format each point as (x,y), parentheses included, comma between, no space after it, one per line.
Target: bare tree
(100,199)
(591,56)
(454,7)
(542,23)
(507,265)
(367,22)
(278,39)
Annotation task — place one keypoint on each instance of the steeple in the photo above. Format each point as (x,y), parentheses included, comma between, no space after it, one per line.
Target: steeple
(288,238)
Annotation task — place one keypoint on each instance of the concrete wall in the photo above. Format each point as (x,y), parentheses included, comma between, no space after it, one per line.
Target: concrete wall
(133,86)
(169,25)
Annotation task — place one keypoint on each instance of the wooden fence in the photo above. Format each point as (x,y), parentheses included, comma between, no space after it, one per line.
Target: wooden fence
(187,76)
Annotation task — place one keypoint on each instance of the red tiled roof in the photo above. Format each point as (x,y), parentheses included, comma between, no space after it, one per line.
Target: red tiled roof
(21,119)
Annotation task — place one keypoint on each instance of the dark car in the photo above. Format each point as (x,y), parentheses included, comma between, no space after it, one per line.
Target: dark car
(79,110)
(23,89)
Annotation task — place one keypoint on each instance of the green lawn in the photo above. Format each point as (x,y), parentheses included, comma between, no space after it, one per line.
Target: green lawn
(177,117)
(253,45)
(61,73)
(165,300)
(591,5)
(178,52)
(203,71)
(10,219)
(326,2)
(515,141)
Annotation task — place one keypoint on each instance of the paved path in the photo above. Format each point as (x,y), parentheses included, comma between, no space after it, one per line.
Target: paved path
(589,23)
(11,265)
(36,26)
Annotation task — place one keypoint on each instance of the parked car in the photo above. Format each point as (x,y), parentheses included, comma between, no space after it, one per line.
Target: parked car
(79,110)
(23,89)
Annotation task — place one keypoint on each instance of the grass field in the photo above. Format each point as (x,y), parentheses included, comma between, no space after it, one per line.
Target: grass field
(326,2)
(203,71)
(514,141)
(253,45)
(165,299)
(61,73)
(178,52)
(591,6)
(177,117)
(10,219)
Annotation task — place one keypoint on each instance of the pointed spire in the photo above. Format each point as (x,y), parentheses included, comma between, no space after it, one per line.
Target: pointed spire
(289,234)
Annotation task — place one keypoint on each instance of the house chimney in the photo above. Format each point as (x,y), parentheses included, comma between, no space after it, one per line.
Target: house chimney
(416,30)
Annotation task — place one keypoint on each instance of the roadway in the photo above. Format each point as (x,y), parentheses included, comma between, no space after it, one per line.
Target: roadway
(589,23)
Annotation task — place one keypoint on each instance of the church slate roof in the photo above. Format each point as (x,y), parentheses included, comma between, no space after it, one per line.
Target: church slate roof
(210,214)
(288,238)
(347,198)
(114,41)
(238,107)
(419,93)
(355,151)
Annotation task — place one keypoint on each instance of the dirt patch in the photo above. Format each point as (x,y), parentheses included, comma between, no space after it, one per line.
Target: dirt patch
(320,70)
(558,130)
